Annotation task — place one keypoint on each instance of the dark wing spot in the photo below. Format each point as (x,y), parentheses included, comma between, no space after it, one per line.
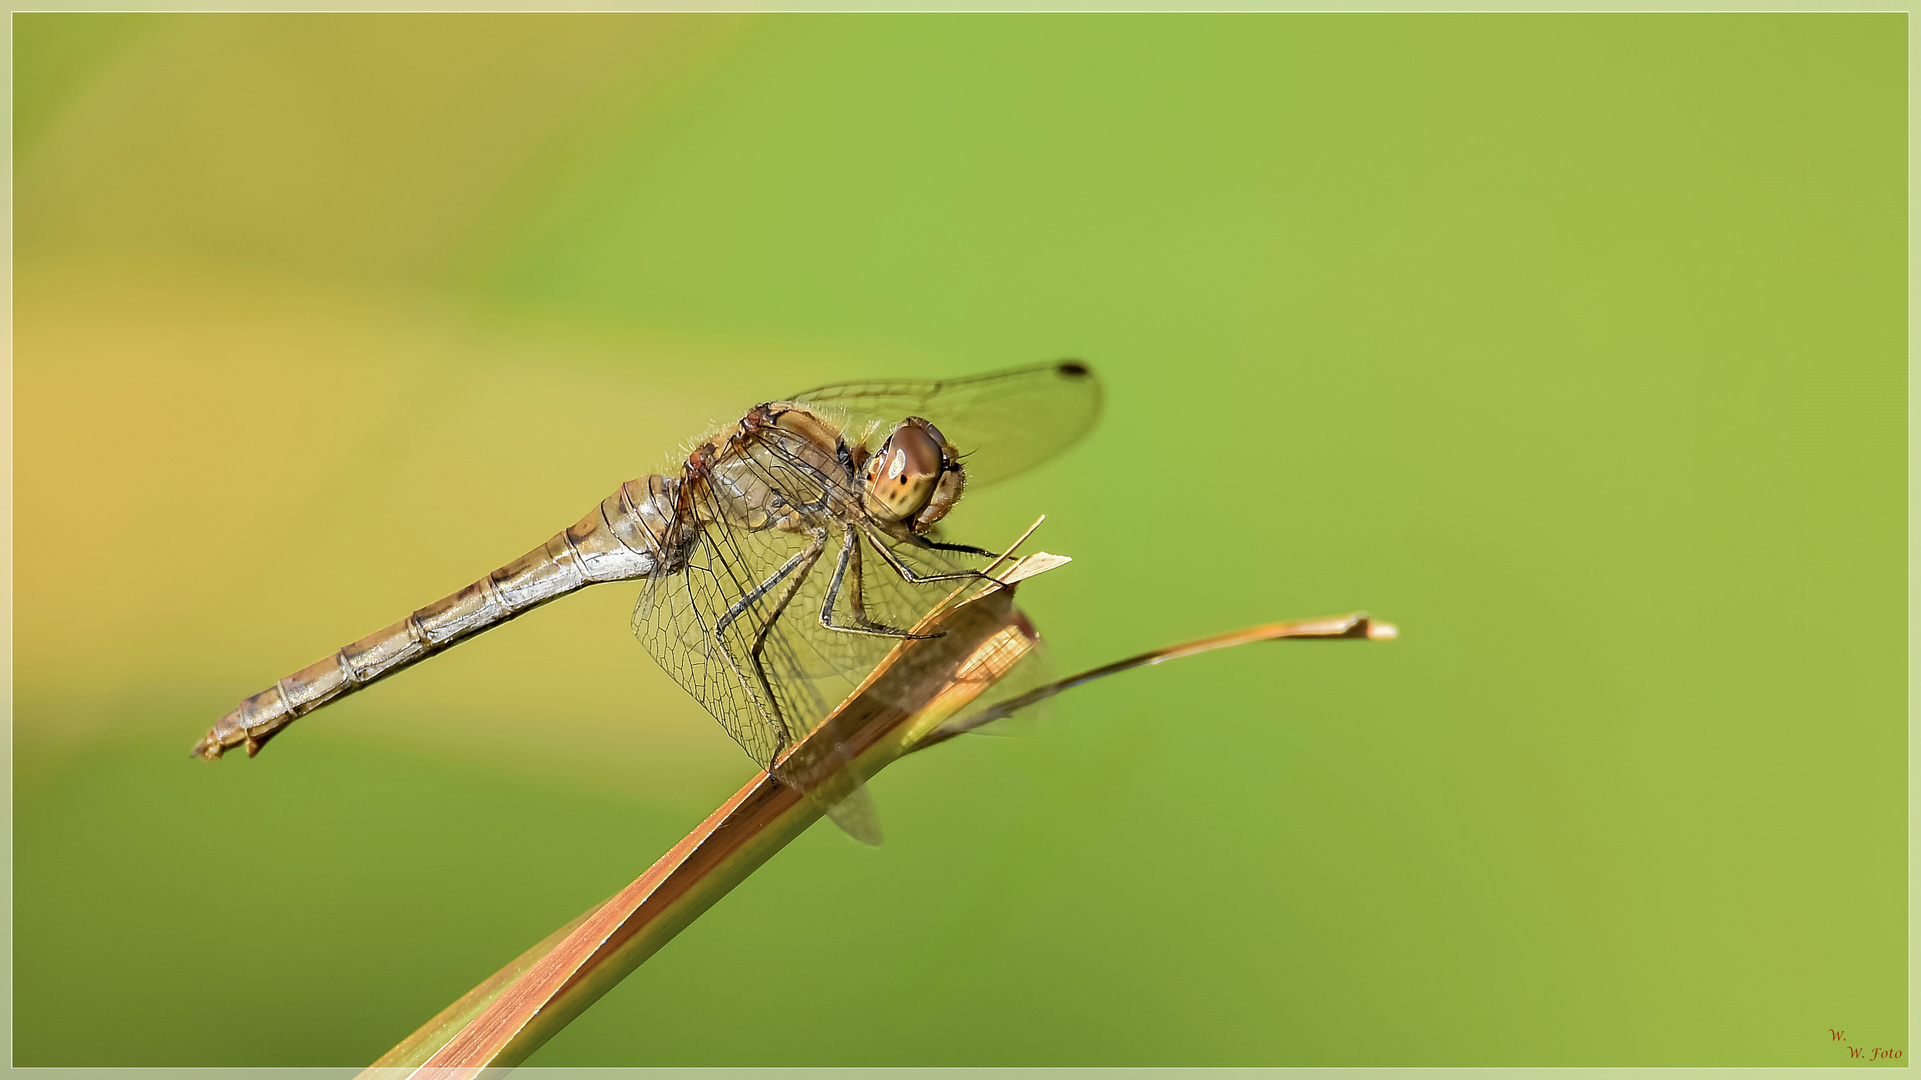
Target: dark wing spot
(1072,369)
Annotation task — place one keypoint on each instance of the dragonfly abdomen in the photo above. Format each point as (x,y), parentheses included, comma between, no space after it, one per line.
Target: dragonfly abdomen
(633,533)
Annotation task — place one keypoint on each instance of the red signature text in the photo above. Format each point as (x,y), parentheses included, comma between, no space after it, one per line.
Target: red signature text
(1864,1053)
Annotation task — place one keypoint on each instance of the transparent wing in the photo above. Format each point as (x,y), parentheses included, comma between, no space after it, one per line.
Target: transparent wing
(684,621)
(1004,422)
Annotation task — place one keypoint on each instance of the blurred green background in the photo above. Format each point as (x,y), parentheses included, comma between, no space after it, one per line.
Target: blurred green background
(1573,344)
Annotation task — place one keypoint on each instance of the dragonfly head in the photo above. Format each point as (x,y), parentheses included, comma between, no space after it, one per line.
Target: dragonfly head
(915,477)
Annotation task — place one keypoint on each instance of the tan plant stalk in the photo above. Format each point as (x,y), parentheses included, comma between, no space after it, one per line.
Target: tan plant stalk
(914,699)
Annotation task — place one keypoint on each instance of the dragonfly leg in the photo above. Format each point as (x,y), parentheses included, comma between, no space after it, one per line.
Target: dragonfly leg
(909,575)
(772,719)
(802,562)
(856,604)
(850,554)
(800,566)
(806,555)
(964,549)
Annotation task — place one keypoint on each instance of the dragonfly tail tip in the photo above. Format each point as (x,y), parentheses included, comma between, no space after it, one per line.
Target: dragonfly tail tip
(208,748)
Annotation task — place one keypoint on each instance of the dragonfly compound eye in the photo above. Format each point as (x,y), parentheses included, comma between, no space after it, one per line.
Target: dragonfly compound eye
(903,473)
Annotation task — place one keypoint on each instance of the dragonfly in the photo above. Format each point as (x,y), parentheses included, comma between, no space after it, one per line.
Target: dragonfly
(780,560)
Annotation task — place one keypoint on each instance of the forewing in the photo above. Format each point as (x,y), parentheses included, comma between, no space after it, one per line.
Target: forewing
(1003,422)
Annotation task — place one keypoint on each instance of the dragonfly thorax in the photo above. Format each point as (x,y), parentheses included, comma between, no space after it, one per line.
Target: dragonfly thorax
(800,466)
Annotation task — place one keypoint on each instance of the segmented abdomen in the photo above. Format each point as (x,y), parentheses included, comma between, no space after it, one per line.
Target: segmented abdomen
(633,533)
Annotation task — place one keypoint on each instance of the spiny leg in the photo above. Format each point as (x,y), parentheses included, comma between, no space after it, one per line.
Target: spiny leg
(857,606)
(909,575)
(850,553)
(772,713)
(770,717)
(856,603)
(964,549)
(753,595)
(811,555)
(719,642)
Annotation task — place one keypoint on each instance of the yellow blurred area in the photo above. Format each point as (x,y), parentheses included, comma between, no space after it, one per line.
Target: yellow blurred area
(375,146)
(246,436)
